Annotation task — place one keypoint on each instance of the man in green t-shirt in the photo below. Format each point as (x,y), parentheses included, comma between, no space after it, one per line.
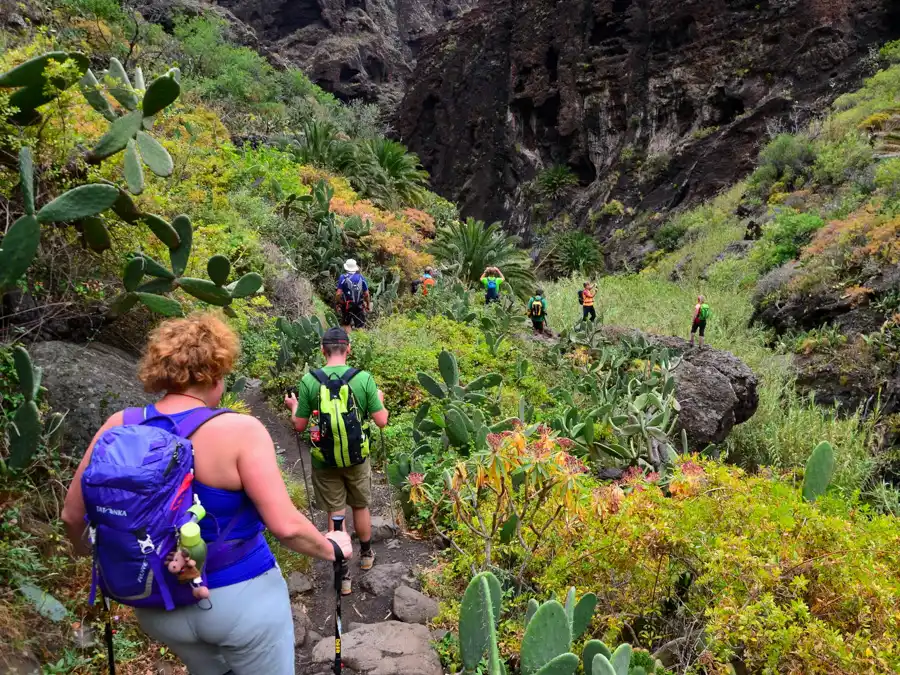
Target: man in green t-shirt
(336,488)
(491,280)
(537,311)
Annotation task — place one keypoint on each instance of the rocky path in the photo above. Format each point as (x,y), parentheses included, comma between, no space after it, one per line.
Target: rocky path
(384,631)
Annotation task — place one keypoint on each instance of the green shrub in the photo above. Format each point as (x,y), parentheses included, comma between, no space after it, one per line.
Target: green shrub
(787,159)
(576,252)
(887,177)
(613,208)
(891,52)
(668,237)
(555,181)
(784,237)
(837,163)
(655,165)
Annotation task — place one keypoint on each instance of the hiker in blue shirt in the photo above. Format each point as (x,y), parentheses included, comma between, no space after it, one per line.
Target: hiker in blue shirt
(352,297)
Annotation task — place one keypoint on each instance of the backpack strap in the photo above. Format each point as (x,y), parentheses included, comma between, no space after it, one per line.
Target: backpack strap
(321,376)
(189,425)
(349,375)
(134,415)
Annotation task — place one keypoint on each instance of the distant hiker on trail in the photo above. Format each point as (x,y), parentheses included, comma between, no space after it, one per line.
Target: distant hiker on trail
(701,314)
(425,283)
(537,311)
(141,481)
(344,397)
(491,280)
(586,300)
(352,297)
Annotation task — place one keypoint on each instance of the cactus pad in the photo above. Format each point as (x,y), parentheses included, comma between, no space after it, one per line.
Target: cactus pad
(819,469)
(155,156)
(162,92)
(78,203)
(17,249)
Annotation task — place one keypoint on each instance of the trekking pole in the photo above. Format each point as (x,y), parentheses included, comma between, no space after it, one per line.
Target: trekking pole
(309,494)
(108,634)
(338,522)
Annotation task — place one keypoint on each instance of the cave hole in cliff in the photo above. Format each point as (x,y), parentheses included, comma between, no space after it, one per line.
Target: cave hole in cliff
(347,73)
(298,14)
(552,63)
(620,6)
(726,107)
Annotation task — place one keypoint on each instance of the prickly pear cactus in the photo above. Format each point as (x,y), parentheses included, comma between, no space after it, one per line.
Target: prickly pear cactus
(819,470)
(25,428)
(34,88)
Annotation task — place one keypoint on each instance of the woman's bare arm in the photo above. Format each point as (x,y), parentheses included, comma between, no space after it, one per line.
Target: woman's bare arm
(262,481)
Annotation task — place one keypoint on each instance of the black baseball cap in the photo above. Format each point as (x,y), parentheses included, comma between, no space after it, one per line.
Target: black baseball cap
(335,336)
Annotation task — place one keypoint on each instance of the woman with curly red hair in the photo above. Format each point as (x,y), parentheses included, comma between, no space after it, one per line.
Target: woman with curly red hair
(248,628)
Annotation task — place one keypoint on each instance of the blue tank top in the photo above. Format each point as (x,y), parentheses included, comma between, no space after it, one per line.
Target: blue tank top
(221,507)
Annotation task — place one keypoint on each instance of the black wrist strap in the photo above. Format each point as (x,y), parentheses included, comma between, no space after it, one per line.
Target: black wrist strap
(338,553)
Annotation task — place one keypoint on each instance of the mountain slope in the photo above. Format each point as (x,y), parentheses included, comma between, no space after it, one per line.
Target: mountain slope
(650,102)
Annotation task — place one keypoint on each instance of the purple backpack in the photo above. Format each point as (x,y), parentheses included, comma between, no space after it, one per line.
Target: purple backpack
(137,490)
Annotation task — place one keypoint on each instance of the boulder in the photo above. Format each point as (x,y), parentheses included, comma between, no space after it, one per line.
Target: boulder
(383,579)
(88,382)
(302,624)
(411,606)
(299,583)
(715,388)
(387,648)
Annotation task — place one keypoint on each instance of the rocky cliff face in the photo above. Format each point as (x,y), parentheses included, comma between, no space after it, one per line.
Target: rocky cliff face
(651,102)
(353,48)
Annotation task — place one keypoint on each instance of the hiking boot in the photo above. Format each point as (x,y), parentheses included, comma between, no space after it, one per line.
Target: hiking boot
(346,586)
(367,560)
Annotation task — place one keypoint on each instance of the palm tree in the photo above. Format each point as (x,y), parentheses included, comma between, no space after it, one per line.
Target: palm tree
(466,249)
(401,181)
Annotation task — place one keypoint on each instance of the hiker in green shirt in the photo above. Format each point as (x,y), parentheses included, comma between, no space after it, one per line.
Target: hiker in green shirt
(701,314)
(537,311)
(342,397)
(491,280)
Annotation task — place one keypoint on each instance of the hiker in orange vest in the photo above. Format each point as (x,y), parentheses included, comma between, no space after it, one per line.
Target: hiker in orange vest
(427,281)
(586,300)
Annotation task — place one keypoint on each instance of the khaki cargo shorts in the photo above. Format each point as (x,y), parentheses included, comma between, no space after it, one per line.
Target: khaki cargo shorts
(337,488)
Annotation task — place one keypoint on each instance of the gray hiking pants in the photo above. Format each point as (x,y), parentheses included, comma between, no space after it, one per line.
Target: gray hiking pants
(249,629)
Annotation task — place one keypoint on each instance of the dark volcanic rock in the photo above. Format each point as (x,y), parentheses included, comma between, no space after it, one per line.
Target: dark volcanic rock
(89,383)
(715,388)
(654,103)
(353,48)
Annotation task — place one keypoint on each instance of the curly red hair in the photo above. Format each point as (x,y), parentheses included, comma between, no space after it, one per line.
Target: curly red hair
(182,353)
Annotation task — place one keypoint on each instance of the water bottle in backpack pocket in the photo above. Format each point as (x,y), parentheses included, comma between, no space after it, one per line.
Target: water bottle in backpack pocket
(138,492)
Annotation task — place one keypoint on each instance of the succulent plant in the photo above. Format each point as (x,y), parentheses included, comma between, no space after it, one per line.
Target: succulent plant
(30,81)
(547,643)
(298,341)
(25,429)
(819,470)
(178,235)
(20,244)
(128,131)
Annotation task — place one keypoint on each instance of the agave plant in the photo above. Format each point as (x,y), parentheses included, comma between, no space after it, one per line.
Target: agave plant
(466,249)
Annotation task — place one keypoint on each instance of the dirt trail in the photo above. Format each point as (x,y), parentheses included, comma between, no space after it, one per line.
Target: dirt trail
(360,607)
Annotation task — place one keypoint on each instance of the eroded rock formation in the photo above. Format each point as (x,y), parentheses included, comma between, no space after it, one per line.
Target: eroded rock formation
(651,102)
(353,48)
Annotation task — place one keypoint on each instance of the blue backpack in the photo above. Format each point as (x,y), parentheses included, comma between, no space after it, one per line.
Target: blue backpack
(492,293)
(137,490)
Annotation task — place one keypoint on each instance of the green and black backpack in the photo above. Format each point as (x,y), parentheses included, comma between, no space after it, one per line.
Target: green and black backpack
(342,443)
